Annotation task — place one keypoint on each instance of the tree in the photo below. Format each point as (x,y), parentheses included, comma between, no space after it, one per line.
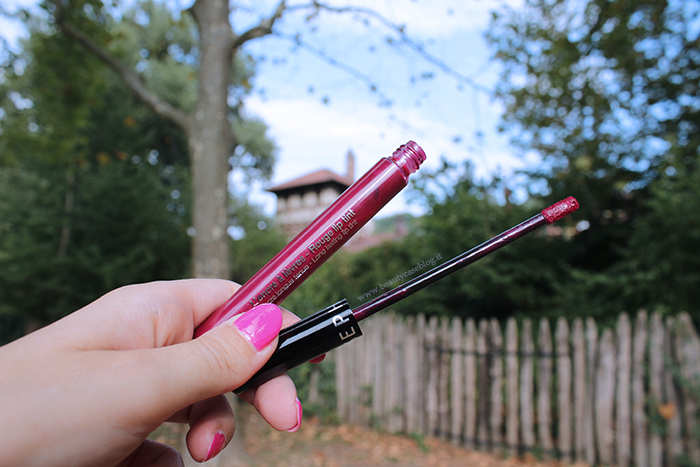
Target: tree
(93,194)
(210,123)
(216,132)
(120,233)
(661,266)
(604,89)
(606,92)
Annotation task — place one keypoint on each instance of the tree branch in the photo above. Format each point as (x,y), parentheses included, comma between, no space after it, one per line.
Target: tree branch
(263,28)
(355,73)
(384,100)
(405,39)
(131,78)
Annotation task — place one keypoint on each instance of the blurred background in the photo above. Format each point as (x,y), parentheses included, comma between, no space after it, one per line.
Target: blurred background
(516,105)
(112,114)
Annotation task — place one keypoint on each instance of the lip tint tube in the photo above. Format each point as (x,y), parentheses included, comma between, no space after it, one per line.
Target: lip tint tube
(324,236)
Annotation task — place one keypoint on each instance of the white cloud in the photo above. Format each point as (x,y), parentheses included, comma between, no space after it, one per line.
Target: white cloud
(314,136)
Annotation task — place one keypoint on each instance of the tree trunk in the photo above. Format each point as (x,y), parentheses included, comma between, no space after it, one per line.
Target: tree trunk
(210,140)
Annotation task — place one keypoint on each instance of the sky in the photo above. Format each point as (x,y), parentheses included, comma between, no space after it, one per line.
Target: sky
(317,112)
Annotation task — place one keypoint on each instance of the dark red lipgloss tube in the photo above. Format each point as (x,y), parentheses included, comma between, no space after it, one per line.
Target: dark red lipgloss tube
(324,236)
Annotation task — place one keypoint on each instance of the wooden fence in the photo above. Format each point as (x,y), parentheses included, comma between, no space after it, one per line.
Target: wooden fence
(623,396)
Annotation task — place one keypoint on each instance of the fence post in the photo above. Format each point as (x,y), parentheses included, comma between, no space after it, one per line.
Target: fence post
(527,387)
(412,349)
(512,427)
(579,364)
(341,381)
(470,384)
(564,389)
(544,386)
(394,399)
(639,403)
(422,374)
(674,443)
(365,361)
(378,376)
(443,380)
(622,406)
(688,349)
(589,415)
(605,397)
(656,382)
(352,365)
(483,382)
(496,417)
(457,380)
(431,341)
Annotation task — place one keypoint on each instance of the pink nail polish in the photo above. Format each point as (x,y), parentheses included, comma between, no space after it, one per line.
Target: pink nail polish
(300,414)
(260,325)
(217,444)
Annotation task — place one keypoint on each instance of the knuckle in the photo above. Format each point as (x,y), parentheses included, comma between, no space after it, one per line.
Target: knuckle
(225,355)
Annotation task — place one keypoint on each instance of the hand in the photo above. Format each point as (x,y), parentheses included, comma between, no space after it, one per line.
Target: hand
(88,389)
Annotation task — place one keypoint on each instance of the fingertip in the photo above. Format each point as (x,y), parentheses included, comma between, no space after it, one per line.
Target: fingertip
(212,426)
(277,402)
(318,359)
(300,415)
(218,443)
(261,325)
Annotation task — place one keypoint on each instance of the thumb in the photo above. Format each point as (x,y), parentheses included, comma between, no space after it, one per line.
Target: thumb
(220,360)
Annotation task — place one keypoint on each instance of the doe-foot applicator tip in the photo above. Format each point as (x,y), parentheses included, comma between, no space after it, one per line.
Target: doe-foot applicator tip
(560,209)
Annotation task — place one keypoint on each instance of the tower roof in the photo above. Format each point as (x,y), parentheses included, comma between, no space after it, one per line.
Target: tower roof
(318,177)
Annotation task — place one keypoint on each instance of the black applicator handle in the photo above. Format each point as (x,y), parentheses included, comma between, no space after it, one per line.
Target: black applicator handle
(307,339)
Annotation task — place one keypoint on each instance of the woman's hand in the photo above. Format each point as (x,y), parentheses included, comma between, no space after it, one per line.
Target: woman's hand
(88,389)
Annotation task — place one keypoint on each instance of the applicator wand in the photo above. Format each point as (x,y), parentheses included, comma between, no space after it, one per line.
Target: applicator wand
(334,326)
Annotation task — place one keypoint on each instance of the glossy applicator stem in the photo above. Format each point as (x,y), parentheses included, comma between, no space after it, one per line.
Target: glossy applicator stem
(547,216)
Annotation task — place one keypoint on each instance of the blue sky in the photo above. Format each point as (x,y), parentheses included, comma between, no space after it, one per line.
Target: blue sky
(317,112)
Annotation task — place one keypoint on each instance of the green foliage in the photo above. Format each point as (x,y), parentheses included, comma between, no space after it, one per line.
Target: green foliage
(94,191)
(163,48)
(523,277)
(119,232)
(606,93)
(46,96)
(662,262)
(324,406)
(602,88)
(258,240)
(95,188)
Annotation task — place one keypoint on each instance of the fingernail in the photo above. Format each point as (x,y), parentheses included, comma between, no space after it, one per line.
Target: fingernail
(300,414)
(260,325)
(217,444)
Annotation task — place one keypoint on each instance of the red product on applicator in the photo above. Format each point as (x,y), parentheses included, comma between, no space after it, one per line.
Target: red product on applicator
(323,237)
(332,327)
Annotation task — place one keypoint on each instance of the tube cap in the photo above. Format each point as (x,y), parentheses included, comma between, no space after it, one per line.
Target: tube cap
(307,339)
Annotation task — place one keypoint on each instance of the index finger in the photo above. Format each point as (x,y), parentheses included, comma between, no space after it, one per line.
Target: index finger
(142,316)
